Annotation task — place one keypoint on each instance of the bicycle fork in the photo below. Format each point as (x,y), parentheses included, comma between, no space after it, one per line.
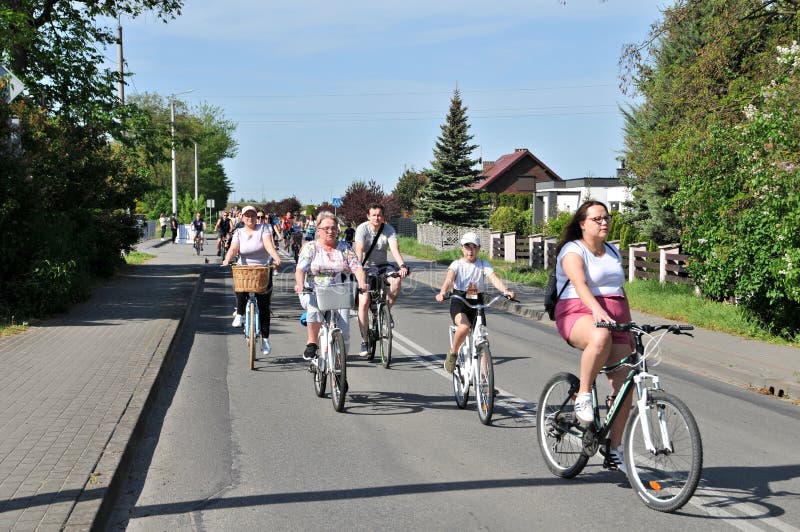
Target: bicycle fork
(643,392)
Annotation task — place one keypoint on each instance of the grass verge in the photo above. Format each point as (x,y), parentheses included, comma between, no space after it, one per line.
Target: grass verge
(8,328)
(138,257)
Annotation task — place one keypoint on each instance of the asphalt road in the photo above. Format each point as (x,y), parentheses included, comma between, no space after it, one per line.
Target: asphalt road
(232,449)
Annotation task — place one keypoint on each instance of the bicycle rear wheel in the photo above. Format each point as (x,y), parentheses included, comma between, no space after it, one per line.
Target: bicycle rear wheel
(559,435)
(338,371)
(251,332)
(667,477)
(385,340)
(484,388)
(461,380)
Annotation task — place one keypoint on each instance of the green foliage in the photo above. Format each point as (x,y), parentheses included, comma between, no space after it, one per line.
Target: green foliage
(187,207)
(704,61)
(508,220)
(449,197)
(408,189)
(742,205)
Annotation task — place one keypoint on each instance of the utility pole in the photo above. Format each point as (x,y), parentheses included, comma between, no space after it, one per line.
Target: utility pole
(174,162)
(195,172)
(120,61)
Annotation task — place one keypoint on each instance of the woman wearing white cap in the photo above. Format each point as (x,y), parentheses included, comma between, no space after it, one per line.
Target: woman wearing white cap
(467,276)
(253,243)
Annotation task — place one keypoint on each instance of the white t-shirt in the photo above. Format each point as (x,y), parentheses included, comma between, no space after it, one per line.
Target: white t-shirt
(604,275)
(468,273)
(163,221)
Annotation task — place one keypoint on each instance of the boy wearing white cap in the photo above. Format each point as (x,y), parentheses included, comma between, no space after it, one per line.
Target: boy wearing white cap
(467,276)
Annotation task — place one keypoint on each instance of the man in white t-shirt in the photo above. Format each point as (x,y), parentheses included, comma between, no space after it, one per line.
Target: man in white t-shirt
(387,241)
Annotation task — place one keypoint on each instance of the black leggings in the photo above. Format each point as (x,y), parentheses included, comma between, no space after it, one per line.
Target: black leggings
(263,309)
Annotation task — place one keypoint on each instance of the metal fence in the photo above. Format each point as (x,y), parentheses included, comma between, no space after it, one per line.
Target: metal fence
(448,237)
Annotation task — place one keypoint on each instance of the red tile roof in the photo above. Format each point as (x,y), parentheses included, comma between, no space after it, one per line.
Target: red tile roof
(504,163)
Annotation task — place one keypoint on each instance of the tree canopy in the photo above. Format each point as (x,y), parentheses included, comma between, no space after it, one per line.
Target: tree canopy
(713,150)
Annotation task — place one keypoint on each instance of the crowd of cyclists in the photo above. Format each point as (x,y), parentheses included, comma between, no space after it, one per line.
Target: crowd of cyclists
(588,268)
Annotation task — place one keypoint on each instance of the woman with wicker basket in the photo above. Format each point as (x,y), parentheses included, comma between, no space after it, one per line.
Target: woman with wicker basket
(253,243)
(325,260)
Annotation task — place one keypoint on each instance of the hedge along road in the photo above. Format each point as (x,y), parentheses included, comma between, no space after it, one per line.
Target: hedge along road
(229,448)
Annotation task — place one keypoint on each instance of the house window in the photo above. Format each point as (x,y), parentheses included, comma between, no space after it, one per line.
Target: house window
(613,205)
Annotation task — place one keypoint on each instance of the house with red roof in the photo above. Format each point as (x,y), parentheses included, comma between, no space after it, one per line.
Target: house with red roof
(516,172)
(522,172)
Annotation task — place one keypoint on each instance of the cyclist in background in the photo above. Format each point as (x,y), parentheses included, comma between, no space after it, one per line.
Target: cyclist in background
(199,228)
(286,228)
(223,227)
(384,237)
(311,228)
(349,235)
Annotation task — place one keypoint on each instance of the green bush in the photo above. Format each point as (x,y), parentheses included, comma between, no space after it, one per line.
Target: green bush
(507,220)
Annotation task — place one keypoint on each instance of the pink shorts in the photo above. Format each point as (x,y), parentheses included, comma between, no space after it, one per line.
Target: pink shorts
(568,311)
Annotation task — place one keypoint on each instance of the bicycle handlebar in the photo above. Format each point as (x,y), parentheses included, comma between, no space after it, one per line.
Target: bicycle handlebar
(481,305)
(674,328)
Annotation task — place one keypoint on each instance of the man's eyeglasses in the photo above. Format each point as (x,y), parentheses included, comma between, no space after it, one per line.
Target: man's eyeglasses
(600,219)
(260,217)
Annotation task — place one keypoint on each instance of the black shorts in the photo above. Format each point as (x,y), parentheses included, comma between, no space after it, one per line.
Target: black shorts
(458,307)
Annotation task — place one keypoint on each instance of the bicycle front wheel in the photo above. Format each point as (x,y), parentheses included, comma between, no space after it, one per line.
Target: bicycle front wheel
(338,371)
(665,477)
(484,388)
(385,325)
(557,428)
(251,333)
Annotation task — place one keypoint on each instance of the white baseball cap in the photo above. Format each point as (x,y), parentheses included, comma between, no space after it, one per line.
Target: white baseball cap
(470,238)
(248,209)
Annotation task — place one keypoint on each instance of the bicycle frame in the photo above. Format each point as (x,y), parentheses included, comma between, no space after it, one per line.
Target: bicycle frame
(639,378)
(251,299)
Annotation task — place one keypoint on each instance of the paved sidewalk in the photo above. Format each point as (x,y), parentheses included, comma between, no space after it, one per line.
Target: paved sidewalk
(74,386)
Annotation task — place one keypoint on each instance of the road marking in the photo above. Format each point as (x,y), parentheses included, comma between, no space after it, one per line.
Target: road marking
(516,405)
(706,500)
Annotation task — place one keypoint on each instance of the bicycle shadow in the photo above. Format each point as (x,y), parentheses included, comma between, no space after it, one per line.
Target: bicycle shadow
(386,403)
(740,489)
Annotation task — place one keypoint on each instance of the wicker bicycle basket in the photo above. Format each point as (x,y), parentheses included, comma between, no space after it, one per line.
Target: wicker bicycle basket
(251,278)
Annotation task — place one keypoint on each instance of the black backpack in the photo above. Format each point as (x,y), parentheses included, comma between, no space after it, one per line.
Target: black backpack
(552,294)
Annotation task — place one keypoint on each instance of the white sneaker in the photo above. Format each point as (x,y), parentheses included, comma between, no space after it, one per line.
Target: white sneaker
(618,455)
(265,347)
(583,408)
(237,320)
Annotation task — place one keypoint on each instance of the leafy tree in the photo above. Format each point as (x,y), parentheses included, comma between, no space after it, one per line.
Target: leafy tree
(356,199)
(408,189)
(449,197)
(699,66)
(742,210)
(507,220)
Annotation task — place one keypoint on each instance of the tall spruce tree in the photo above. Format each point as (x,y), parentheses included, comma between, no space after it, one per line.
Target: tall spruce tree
(449,197)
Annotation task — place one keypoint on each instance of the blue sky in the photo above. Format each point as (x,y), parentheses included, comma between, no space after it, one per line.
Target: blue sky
(328,92)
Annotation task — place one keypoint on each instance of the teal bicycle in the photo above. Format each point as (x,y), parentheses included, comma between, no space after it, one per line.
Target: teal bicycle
(663,451)
(252,279)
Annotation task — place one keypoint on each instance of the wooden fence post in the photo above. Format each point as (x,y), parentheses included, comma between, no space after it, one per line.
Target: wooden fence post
(494,244)
(632,249)
(510,245)
(662,260)
(550,242)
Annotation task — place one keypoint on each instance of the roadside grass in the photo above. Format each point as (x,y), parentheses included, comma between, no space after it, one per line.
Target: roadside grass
(11,327)
(671,301)
(137,257)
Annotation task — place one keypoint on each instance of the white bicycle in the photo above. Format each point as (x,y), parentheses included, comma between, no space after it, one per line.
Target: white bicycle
(474,365)
(332,359)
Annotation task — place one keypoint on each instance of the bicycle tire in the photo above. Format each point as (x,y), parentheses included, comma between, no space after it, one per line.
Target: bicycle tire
(338,371)
(385,326)
(461,381)
(251,332)
(484,387)
(666,480)
(557,428)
